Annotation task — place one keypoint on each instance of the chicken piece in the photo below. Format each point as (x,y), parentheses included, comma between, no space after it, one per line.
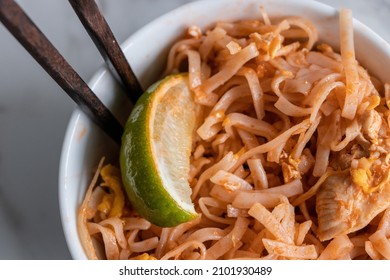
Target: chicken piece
(343,159)
(372,123)
(345,156)
(344,207)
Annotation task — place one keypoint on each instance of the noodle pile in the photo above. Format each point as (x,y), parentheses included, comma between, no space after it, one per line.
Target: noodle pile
(279,117)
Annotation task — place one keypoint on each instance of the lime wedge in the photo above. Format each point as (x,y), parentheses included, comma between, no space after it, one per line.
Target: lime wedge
(155,152)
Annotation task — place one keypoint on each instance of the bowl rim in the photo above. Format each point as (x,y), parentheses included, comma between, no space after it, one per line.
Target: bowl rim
(97,77)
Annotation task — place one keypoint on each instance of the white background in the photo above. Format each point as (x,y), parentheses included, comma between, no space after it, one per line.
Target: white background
(34,113)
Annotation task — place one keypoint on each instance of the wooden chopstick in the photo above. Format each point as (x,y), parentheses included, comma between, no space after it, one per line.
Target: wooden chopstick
(101,34)
(40,48)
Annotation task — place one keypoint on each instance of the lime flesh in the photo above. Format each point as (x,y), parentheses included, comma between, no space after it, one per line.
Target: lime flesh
(155,152)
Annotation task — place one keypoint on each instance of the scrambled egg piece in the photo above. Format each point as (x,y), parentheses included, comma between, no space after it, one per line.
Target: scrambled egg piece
(112,179)
(368,177)
(144,257)
(362,178)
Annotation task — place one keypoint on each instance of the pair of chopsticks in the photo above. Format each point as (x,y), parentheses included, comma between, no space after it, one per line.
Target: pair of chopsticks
(36,43)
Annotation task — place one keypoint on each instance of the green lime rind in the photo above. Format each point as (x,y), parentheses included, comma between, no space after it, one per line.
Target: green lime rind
(140,177)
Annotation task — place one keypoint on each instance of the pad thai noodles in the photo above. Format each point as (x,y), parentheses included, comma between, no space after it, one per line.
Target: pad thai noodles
(290,155)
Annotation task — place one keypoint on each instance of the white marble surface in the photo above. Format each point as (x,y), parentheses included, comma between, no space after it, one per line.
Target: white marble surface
(34,113)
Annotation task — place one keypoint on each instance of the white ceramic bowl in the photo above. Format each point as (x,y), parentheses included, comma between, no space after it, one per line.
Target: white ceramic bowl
(146,50)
